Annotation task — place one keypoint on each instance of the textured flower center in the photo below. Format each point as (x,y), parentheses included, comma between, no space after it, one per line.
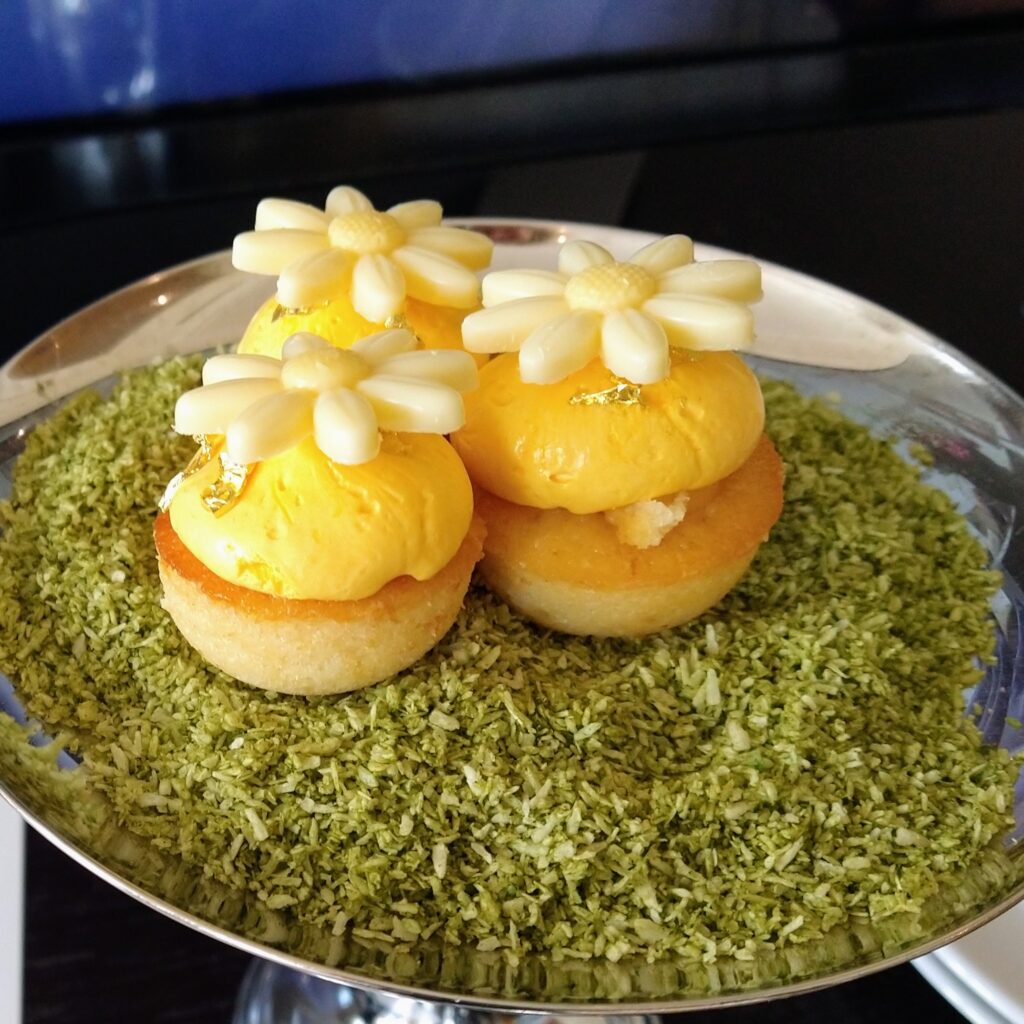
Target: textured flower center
(324,370)
(366,231)
(610,286)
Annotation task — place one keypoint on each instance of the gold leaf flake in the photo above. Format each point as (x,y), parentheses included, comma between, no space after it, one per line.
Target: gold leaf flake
(621,393)
(196,463)
(280,311)
(222,494)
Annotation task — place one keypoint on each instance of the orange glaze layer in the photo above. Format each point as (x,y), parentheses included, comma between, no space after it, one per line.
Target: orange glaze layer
(723,522)
(387,603)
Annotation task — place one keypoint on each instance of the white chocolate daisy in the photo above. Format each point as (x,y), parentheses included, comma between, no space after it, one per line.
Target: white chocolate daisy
(343,398)
(627,313)
(377,257)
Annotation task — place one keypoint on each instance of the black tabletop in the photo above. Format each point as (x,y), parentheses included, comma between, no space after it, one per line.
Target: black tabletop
(914,203)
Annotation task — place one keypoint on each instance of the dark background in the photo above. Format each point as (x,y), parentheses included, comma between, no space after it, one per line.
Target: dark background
(881,151)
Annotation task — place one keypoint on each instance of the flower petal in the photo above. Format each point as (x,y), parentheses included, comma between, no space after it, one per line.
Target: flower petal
(417,213)
(231,366)
(345,199)
(634,346)
(378,288)
(324,369)
(470,248)
(375,348)
(506,285)
(446,366)
(577,256)
(416,406)
(314,279)
(269,252)
(301,342)
(504,328)
(701,322)
(287,213)
(345,427)
(270,426)
(211,408)
(437,279)
(739,280)
(664,254)
(560,347)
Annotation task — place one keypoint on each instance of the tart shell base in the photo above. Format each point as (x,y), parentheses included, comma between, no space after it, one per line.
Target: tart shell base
(585,611)
(304,646)
(572,573)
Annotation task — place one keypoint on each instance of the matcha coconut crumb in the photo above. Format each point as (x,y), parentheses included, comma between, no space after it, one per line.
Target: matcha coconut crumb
(796,759)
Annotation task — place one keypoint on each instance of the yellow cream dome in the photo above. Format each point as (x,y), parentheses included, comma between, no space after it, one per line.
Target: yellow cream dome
(306,527)
(341,325)
(575,444)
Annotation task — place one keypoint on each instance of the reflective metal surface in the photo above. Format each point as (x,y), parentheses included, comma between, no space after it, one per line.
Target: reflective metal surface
(271,994)
(918,391)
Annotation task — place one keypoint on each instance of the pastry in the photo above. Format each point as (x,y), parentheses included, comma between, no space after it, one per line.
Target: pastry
(349,270)
(707,792)
(323,538)
(617,443)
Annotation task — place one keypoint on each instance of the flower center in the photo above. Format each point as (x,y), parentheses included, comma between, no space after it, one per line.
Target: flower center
(610,286)
(324,369)
(366,231)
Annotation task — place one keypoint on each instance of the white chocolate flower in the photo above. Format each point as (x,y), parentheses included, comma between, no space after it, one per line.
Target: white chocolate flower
(377,257)
(341,397)
(627,313)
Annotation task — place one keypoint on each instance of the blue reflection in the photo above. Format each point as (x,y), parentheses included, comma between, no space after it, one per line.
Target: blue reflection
(10,705)
(68,57)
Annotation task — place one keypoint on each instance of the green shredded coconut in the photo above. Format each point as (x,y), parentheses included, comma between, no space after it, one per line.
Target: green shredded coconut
(795,760)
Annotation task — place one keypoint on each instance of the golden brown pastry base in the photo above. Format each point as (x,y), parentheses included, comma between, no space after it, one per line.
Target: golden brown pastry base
(585,611)
(305,646)
(572,573)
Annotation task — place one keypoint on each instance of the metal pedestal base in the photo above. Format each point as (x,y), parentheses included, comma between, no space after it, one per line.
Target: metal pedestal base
(271,994)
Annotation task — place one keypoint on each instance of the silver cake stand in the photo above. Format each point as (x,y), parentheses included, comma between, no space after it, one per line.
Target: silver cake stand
(271,994)
(918,389)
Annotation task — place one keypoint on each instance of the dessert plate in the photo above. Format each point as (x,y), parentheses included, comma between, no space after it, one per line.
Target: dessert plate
(958,994)
(980,975)
(12,871)
(917,389)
